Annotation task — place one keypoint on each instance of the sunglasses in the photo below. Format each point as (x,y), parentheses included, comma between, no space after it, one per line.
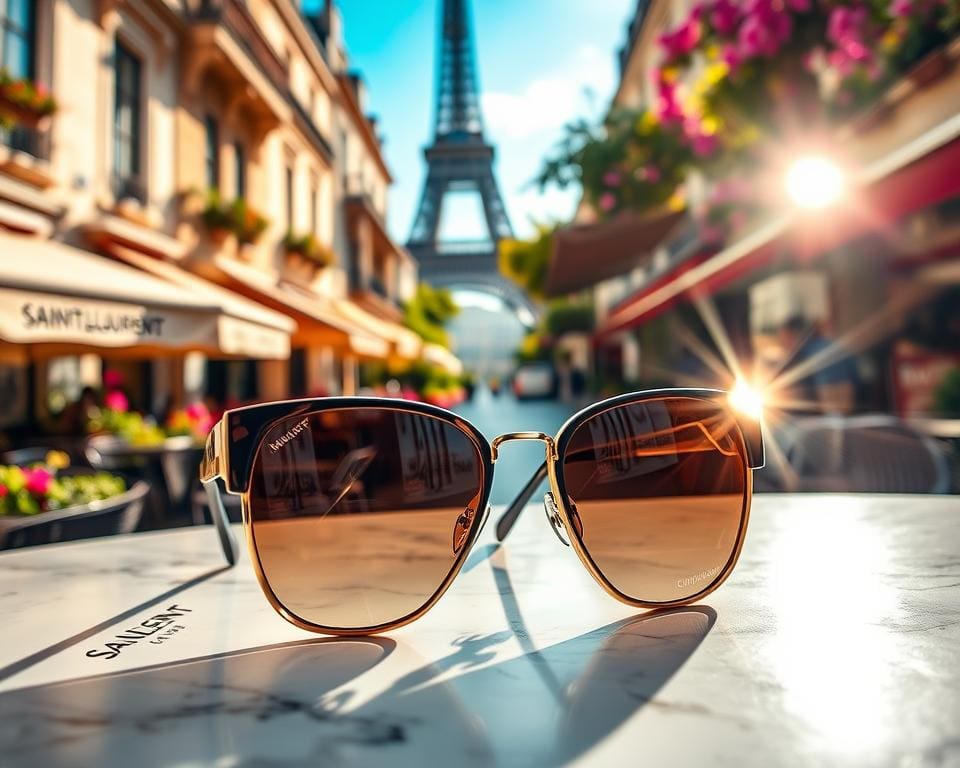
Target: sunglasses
(360,512)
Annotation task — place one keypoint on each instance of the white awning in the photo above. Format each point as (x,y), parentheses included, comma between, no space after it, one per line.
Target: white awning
(245,327)
(442,357)
(52,293)
(361,340)
(406,343)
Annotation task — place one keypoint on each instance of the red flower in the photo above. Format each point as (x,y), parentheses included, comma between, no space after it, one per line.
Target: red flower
(112,379)
(37,481)
(4,491)
(116,401)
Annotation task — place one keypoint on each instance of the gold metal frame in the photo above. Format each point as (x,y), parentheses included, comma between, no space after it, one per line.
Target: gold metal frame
(215,463)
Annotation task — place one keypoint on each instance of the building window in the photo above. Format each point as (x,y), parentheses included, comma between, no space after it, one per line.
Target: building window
(127,135)
(16,37)
(289,198)
(313,208)
(240,170)
(211,154)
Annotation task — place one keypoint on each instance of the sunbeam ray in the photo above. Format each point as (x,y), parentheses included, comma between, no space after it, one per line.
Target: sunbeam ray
(711,319)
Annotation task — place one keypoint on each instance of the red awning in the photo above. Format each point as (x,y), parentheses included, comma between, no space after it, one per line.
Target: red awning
(586,254)
(926,181)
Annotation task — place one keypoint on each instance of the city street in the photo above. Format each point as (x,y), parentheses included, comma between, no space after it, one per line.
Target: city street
(496,415)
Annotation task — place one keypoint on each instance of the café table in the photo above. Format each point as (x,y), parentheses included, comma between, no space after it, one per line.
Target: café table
(836,642)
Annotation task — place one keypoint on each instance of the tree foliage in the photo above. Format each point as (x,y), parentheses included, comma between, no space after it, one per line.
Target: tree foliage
(429,312)
(526,262)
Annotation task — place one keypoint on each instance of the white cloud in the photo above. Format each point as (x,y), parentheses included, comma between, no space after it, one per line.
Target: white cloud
(545,104)
(525,124)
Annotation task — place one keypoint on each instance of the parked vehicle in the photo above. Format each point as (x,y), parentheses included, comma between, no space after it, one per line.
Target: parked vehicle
(535,380)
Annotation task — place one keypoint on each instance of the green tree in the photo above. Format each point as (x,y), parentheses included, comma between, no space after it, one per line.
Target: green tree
(526,262)
(429,312)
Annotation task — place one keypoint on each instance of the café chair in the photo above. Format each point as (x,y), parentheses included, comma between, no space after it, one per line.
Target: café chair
(874,453)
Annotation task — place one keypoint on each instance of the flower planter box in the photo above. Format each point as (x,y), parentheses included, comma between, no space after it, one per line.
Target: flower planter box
(219,237)
(20,115)
(119,514)
(301,268)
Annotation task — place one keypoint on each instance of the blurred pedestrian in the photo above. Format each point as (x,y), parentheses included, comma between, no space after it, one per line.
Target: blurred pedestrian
(831,384)
(74,418)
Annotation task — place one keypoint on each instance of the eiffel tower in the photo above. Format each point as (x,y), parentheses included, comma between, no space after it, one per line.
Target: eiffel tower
(460,160)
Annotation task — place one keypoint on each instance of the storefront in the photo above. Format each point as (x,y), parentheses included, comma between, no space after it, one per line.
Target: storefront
(873,275)
(67,314)
(328,345)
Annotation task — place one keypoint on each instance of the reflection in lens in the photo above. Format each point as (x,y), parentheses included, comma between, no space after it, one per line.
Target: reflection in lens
(358,515)
(659,494)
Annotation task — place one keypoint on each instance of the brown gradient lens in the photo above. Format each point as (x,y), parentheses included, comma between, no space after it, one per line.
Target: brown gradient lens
(658,491)
(359,515)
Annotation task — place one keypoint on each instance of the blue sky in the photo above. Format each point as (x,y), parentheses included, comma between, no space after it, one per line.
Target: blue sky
(537,59)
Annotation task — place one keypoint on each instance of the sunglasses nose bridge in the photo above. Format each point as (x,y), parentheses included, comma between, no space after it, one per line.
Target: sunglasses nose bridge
(550,445)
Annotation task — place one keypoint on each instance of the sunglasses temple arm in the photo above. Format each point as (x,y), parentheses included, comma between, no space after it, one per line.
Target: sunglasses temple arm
(509,517)
(222,522)
(210,470)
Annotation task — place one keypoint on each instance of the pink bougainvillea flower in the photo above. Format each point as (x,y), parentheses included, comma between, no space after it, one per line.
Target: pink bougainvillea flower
(608,201)
(901,7)
(681,41)
(116,401)
(37,481)
(767,25)
(612,178)
(725,16)
(648,173)
(840,63)
(731,57)
(847,30)
(668,102)
(754,38)
(799,6)
(112,379)
(704,144)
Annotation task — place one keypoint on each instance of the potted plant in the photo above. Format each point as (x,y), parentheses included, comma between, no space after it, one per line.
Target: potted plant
(44,502)
(216,219)
(236,218)
(23,102)
(307,248)
(248,223)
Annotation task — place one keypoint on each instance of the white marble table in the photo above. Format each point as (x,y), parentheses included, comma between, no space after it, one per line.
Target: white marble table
(836,642)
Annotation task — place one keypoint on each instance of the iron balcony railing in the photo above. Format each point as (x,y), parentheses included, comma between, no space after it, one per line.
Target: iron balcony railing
(377,286)
(129,187)
(30,141)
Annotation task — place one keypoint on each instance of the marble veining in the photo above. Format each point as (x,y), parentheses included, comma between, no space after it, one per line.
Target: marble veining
(835,642)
